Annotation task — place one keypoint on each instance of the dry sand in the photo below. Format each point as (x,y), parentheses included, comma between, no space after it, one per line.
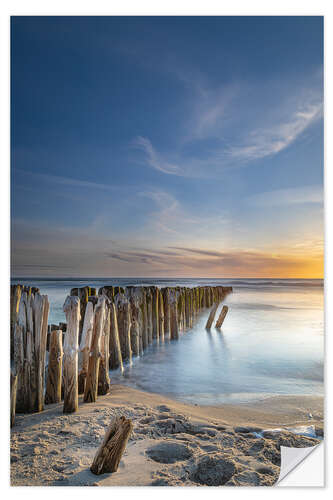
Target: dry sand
(172,443)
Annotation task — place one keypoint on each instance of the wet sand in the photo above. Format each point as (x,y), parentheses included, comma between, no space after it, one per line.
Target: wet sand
(172,443)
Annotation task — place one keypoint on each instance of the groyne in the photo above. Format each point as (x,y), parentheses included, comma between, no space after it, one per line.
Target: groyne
(104,329)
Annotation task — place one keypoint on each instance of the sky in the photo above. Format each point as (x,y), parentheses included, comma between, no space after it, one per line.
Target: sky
(167,147)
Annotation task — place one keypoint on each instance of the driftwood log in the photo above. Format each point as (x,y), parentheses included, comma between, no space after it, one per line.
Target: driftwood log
(212,316)
(113,446)
(91,388)
(222,316)
(70,375)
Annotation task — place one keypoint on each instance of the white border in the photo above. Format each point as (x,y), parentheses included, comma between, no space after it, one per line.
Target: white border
(144,7)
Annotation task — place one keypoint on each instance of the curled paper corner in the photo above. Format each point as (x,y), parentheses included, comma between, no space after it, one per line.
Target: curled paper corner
(294,461)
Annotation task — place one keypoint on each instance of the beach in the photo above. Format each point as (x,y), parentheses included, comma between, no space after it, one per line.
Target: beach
(172,443)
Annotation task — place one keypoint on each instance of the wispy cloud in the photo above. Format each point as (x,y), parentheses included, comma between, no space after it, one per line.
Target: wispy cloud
(65,181)
(154,159)
(290,196)
(269,141)
(259,143)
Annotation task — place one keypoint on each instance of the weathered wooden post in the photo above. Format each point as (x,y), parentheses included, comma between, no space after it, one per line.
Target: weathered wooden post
(15,297)
(135,298)
(87,329)
(135,341)
(160,315)
(188,310)
(23,385)
(149,315)
(143,307)
(222,316)
(103,377)
(124,326)
(166,307)
(13,387)
(155,297)
(70,360)
(174,332)
(40,311)
(113,446)
(212,316)
(53,385)
(116,359)
(91,387)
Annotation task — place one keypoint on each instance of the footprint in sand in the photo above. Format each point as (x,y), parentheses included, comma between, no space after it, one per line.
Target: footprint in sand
(169,452)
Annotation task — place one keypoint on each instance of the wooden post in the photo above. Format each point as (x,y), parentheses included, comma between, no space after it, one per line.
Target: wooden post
(15,298)
(223,314)
(135,298)
(22,391)
(135,344)
(84,351)
(155,297)
(143,306)
(53,385)
(103,377)
(91,388)
(13,387)
(116,360)
(149,315)
(160,315)
(124,326)
(70,370)
(212,316)
(174,332)
(113,446)
(166,306)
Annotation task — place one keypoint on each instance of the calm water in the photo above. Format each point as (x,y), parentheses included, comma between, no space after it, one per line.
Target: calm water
(272,342)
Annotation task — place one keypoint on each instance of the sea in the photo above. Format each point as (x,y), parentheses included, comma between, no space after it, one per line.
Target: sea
(271,343)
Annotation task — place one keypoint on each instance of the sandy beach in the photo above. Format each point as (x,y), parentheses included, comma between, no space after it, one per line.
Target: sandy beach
(172,443)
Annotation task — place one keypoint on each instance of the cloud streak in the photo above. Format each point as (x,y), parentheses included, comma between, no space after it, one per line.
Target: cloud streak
(290,196)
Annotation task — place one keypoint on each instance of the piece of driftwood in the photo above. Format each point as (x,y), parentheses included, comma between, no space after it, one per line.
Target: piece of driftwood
(103,376)
(113,446)
(91,388)
(116,359)
(13,387)
(212,316)
(84,350)
(53,384)
(70,359)
(222,316)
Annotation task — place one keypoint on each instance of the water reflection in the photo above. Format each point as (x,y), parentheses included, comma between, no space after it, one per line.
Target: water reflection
(271,343)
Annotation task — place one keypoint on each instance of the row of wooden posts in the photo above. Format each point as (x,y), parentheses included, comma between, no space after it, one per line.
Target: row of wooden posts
(101,332)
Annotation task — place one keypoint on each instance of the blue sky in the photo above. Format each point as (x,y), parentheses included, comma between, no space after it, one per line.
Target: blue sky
(186,146)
